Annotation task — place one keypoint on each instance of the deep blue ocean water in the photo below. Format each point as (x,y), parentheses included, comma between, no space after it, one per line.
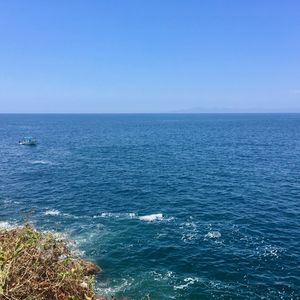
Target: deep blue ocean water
(171,206)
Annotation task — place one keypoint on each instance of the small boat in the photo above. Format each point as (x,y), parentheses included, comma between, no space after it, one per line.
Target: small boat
(27,140)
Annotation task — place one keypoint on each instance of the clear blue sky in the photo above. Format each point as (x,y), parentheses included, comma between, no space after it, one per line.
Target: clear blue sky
(149,56)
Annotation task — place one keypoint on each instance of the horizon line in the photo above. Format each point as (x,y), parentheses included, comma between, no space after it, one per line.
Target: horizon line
(140,113)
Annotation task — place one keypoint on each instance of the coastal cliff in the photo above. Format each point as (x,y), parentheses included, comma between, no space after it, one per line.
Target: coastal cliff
(37,265)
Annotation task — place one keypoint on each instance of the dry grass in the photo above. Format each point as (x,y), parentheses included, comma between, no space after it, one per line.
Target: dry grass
(37,266)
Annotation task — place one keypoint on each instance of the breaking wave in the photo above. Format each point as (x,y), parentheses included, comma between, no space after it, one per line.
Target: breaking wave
(151,218)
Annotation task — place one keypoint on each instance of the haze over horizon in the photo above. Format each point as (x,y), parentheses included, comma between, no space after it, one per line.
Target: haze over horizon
(132,56)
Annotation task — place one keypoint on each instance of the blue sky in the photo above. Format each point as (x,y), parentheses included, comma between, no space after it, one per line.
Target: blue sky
(150,56)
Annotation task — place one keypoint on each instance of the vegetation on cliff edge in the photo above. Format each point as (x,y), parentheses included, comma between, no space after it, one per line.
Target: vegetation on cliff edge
(37,266)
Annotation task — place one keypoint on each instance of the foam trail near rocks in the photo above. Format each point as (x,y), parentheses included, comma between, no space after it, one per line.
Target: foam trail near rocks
(52,212)
(6,225)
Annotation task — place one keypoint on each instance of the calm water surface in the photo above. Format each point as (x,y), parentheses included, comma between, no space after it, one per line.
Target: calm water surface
(171,206)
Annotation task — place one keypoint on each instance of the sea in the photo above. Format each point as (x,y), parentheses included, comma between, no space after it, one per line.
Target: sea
(171,206)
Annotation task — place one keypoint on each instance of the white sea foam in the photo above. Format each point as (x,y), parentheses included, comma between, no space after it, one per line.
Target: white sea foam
(190,231)
(55,212)
(105,215)
(109,288)
(115,215)
(41,162)
(165,276)
(187,281)
(131,215)
(151,218)
(52,212)
(213,234)
(6,225)
(269,251)
(10,201)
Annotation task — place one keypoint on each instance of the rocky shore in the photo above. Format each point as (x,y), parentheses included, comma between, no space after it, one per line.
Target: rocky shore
(37,266)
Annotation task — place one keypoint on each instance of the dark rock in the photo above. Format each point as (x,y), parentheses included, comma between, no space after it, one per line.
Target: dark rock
(90,268)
